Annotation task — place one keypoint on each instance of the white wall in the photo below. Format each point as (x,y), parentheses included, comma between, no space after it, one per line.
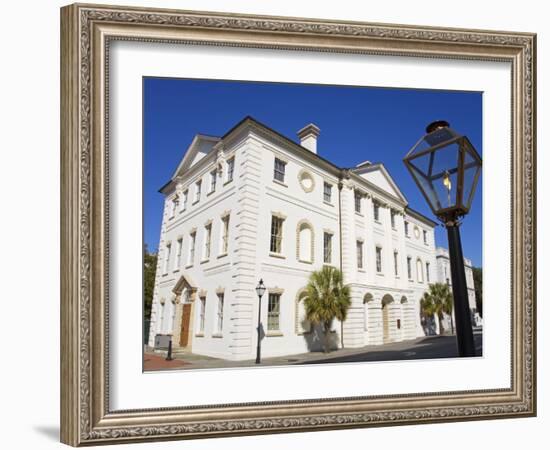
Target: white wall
(29,182)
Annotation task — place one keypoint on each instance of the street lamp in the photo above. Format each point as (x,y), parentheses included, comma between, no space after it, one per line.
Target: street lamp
(260,290)
(446,167)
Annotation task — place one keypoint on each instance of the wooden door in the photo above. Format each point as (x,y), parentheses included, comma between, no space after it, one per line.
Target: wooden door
(185,319)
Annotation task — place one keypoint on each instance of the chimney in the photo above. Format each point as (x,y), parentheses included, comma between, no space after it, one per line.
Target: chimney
(308,137)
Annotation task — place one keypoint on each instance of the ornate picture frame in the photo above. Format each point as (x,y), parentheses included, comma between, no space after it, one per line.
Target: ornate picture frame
(86,33)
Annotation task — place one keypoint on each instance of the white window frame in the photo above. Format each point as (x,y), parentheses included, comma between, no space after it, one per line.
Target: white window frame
(213,179)
(392,218)
(425,236)
(360,254)
(273,316)
(406,226)
(219,313)
(224,241)
(396,262)
(177,260)
(198,191)
(278,237)
(376,210)
(202,314)
(279,170)
(167,255)
(192,248)
(427,271)
(327,192)
(327,249)
(230,170)
(409,267)
(419,271)
(357,201)
(185,198)
(207,245)
(378,254)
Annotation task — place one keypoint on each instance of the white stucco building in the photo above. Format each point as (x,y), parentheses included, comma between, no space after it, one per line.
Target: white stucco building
(444,276)
(254,204)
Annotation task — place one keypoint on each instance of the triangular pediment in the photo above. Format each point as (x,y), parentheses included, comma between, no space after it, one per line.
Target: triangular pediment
(184,282)
(377,175)
(200,147)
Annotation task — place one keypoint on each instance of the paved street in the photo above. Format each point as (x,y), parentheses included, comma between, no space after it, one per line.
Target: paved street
(421,348)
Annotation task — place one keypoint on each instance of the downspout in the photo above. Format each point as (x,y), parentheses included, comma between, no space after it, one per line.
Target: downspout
(340,186)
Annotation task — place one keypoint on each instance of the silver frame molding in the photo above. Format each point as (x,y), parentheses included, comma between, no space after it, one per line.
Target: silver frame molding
(86,31)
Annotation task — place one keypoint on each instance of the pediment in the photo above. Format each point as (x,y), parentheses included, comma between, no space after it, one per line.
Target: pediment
(184,282)
(199,148)
(378,175)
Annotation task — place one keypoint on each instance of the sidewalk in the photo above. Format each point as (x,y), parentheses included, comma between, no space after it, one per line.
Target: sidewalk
(421,348)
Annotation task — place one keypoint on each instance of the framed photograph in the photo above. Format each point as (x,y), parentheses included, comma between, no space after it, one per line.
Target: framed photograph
(276,224)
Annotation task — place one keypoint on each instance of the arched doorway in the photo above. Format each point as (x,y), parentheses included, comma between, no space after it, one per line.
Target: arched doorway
(408,318)
(367,299)
(389,324)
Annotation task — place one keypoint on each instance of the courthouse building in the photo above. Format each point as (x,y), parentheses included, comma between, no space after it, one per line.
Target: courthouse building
(254,204)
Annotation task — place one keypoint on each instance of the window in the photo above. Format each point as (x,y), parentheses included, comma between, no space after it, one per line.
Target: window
(396,263)
(359,246)
(419,271)
(225,235)
(275,244)
(185,196)
(192,242)
(174,206)
(409,268)
(427,272)
(167,258)
(207,241)
(376,207)
(274,312)
(327,192)
(230,169)
(425,234)
(213,176)
(202,314)
(160,329)
(357,197)
(177,262)
(406,228)
(378,259)
(198,187)
(327,248)
(279,170)
(392,215)
(219,314)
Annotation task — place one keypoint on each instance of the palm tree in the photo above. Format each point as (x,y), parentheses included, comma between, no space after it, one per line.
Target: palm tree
(326,299)
(436,301)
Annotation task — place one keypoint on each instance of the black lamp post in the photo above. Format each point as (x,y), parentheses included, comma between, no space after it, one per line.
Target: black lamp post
(446,168)
(260,290)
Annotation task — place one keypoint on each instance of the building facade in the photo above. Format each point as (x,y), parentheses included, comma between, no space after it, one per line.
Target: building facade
(254,204)
(444,276)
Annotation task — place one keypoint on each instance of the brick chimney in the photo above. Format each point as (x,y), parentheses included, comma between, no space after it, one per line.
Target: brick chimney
(308,137)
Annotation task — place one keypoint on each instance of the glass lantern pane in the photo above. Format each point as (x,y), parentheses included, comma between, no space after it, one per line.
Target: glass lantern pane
(471,176)
(426,186)
(442,174)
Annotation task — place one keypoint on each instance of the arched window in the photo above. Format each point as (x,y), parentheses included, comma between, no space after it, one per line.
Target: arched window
(304,243)
(419,271)
(302,324)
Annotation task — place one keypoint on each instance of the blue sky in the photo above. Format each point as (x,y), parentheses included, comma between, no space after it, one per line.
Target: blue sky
(357,124)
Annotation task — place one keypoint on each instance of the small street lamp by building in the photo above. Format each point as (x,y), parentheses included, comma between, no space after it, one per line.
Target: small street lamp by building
(260,290)
(446,167)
